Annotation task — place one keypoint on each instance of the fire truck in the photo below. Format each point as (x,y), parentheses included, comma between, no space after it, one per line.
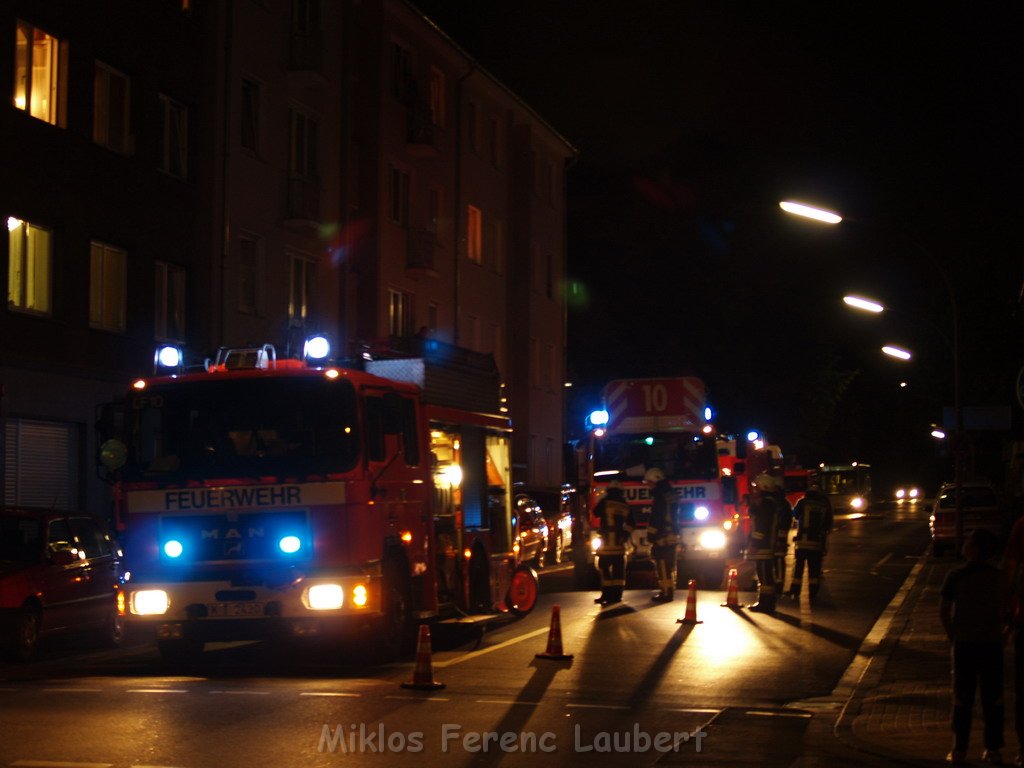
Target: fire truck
(262,497)
(663,423)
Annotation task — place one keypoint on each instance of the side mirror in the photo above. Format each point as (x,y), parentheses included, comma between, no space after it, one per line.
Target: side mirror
(113,454)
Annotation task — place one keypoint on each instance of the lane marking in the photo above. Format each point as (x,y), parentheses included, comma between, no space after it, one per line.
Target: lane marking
(508,701)
(596,706)
(241,693)
(482,651)
(759,713)
(697,711)
(71,690)
(418,698)
(331,693)
(156,690)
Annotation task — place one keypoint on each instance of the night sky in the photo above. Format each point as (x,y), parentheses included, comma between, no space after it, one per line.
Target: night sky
(693,119)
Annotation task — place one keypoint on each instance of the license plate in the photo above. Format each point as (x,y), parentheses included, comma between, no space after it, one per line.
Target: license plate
(223,610)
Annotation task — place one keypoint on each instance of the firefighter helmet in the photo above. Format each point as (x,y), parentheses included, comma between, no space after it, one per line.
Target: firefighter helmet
(767,483)
(654,475)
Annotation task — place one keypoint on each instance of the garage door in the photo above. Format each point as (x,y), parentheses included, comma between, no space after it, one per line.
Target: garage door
(41,467)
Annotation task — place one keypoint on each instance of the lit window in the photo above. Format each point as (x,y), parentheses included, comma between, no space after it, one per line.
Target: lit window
(300,294)
(175,141)
(111,99)
(107,267)
(400,315)
(38,74)
(474,234)
(169,302)
(29,266)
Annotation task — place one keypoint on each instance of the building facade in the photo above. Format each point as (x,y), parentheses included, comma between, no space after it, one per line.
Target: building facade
(255,171)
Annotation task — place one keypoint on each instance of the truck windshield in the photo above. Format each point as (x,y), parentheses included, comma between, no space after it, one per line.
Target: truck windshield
(243,427)
(682,456)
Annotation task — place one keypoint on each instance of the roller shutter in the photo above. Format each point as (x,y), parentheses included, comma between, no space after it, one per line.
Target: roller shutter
(41,468)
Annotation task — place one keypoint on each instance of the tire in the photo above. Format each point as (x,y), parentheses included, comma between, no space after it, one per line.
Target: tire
(111,634)
(24,638)
(523,591)
(180,653)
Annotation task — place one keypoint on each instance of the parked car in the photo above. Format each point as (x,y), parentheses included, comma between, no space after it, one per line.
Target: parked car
(980,508)
(560,529)
(531,530)
(59,572)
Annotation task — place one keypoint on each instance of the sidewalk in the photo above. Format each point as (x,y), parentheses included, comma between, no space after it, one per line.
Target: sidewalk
(899,707)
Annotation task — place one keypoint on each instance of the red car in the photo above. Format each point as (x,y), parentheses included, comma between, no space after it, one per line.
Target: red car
(59,572)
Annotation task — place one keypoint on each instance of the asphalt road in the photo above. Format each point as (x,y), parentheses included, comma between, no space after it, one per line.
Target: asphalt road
(736,689)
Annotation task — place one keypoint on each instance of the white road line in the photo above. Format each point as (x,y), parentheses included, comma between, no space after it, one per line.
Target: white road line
(71,690)
(596,706)
(156,690)
(696,711)
(482,651)
(884,560)
(759,713)
(241,693)
(58,764)
(507,701)
(331,693)
(418,698)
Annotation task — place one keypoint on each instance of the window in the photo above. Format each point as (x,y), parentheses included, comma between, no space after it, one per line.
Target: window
(39,74)
(107,268)
(169,302)
(402,86)
(175,139)
(250,116)
(111,98)
(29,266)
(474,234)
(437,103)
(399,194)
(473,126)
(494,141)
(300,292)
(435,205)
(302,145)
(400,314)
(250,274)
(432,317)
(41,463)
(305,16)
(89,537)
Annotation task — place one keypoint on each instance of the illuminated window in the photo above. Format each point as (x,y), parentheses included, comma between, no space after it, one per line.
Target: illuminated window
(250,120)
(437,102)
(175,139)
(169,302)
(250,274)
(111,100)
(399,194)
(39,74)
(300,295)
(29,266)
(400,313)
(107,267)
(474,234)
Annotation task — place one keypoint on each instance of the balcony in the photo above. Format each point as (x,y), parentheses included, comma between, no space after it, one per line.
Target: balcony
(302,202)
(421,253)
(420,140)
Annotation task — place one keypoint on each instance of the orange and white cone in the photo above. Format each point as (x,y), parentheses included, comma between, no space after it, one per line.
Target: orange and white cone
(423,675)
(554,649)
(732,594)
(691,606)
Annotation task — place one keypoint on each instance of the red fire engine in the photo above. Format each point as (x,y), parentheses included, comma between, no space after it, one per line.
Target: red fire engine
(662,423)
(262,496)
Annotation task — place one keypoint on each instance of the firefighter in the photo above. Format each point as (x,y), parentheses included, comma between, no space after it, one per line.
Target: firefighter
(782,529)
(662,533)
(616,525)
(764,520)
(814,518)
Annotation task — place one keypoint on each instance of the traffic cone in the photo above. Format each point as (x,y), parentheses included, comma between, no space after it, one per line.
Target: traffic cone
(691,606)
(732,594)
(554,649)
(423,675)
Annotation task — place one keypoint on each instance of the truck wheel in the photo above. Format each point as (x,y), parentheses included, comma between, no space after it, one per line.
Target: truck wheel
(523,591)
(180,653)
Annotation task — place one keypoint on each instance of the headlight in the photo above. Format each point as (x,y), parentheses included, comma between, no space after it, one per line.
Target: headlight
(701,513)
(900,493)
(857,503)
(914,493)
(149,602)
(712,539)
(325,597)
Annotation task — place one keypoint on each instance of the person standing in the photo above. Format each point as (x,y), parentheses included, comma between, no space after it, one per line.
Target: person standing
(972,610)
(1014,584)
(764,519)
(783,525)
(662,532)
(615,526)
(814,517)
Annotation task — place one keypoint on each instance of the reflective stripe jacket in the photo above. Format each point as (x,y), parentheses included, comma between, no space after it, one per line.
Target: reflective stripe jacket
(616,524)
(814,515)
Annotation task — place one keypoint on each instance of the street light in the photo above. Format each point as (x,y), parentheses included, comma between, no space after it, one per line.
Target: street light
(898,352)
(830,217)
